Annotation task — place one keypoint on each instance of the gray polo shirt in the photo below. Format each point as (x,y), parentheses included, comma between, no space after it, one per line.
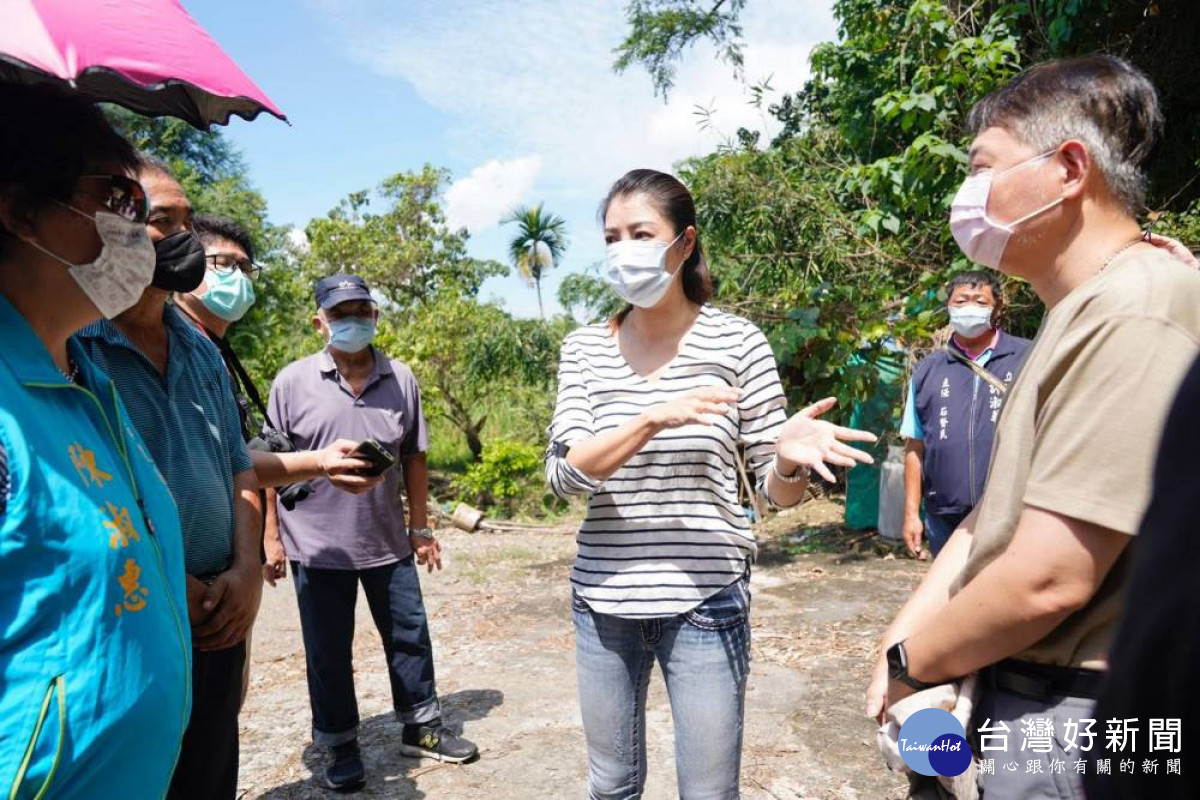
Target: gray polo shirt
(314,406)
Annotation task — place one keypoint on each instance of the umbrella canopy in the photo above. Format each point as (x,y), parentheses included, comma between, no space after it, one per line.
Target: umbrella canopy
(147,55)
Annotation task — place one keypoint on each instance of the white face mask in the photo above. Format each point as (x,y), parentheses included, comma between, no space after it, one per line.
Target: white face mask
(982,239)
(124,268)
(970,321)
(637,270)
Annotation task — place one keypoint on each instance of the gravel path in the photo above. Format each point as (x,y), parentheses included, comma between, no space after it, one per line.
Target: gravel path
(500,617)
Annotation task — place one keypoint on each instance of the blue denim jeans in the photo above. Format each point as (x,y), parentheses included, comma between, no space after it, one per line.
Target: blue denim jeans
(939,528)
(327,598)
(705,659)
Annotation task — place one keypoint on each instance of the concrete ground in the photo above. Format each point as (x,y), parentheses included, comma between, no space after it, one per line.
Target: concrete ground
(501,625)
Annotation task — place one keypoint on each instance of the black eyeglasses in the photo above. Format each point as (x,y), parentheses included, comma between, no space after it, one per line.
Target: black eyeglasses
(120,194)
(224,264)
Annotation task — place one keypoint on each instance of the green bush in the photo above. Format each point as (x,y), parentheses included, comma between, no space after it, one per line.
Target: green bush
(508,476)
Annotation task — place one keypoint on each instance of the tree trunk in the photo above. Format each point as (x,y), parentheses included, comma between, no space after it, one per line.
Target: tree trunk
(538,283)
(474,442)
(461,417)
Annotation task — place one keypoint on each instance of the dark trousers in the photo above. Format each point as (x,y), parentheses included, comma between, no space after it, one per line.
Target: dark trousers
(327,598)
(939,528)
(208,761)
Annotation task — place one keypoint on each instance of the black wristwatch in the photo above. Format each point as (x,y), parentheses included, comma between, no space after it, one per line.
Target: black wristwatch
(897,659)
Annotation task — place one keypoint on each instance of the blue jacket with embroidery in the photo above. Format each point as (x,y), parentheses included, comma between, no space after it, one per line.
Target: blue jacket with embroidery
(958,412)
(95,651)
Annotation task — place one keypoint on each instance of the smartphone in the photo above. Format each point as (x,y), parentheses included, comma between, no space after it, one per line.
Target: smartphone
(381,460)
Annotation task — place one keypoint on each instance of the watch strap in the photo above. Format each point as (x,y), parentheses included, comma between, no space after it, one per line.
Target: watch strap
(897,658)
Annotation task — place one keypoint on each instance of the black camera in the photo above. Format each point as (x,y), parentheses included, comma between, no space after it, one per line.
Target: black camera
(293,493)
(273,441)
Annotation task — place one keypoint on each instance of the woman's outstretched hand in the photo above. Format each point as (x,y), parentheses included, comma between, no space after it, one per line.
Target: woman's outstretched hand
(816,443)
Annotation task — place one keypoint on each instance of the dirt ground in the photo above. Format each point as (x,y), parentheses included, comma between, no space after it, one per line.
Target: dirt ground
(501,626)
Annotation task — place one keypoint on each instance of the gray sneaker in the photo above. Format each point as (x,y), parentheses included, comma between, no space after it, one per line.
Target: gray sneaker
(434,740)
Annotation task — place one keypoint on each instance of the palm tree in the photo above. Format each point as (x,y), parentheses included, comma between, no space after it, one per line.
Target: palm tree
(538,246)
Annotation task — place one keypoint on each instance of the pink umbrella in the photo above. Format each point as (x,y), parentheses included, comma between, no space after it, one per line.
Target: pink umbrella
(147,55)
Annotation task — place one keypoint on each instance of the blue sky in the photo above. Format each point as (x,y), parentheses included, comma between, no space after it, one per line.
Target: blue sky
(516,98)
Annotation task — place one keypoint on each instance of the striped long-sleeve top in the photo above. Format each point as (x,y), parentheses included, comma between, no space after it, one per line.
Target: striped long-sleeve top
(665,531)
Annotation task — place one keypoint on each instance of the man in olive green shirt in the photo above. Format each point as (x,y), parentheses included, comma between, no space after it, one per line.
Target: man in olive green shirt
(1028,589)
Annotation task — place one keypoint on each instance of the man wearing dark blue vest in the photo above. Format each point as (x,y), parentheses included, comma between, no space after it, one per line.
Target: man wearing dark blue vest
(954,401)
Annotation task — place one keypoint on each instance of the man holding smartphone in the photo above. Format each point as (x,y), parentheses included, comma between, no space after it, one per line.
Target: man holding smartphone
(335,540)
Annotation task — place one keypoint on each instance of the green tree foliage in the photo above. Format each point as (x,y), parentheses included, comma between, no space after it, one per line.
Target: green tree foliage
(537,246)
(508,473)
(834,237)
(474,360)
(589,296)
(660,31)
(406,251)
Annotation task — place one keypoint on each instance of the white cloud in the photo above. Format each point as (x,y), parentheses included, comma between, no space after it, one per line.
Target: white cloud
(478,201)
(536,76)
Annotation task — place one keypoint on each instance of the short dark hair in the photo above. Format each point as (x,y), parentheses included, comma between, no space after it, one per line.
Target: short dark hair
(1101,100)
(148,162)
(975,279)
(672,199)
(48,140)
(210,227)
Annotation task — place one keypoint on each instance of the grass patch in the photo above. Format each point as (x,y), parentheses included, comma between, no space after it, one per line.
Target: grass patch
(478,567)
(514,553)
(815,539)
(448,451)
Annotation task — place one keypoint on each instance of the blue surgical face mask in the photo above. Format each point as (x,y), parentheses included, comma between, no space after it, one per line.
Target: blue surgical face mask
(351,334)
(229,295)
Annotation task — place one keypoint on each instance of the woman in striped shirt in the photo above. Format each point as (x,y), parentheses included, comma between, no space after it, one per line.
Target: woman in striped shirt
(652,410)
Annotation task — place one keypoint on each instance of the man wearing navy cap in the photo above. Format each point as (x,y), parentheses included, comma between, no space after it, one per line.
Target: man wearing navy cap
(336,540)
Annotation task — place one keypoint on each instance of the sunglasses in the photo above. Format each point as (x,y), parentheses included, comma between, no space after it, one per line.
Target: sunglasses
(119,194)
(224,264)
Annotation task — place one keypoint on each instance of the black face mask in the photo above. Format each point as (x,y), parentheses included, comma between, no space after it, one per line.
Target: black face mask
(179,262)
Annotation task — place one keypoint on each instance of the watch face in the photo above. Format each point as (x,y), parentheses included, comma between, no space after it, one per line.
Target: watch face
(895,660)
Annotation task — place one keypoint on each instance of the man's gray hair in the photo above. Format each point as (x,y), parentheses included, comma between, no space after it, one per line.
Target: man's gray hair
(1102,101)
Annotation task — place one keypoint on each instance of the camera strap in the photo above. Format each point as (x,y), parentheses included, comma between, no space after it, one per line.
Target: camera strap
(988,377)
(244,387)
